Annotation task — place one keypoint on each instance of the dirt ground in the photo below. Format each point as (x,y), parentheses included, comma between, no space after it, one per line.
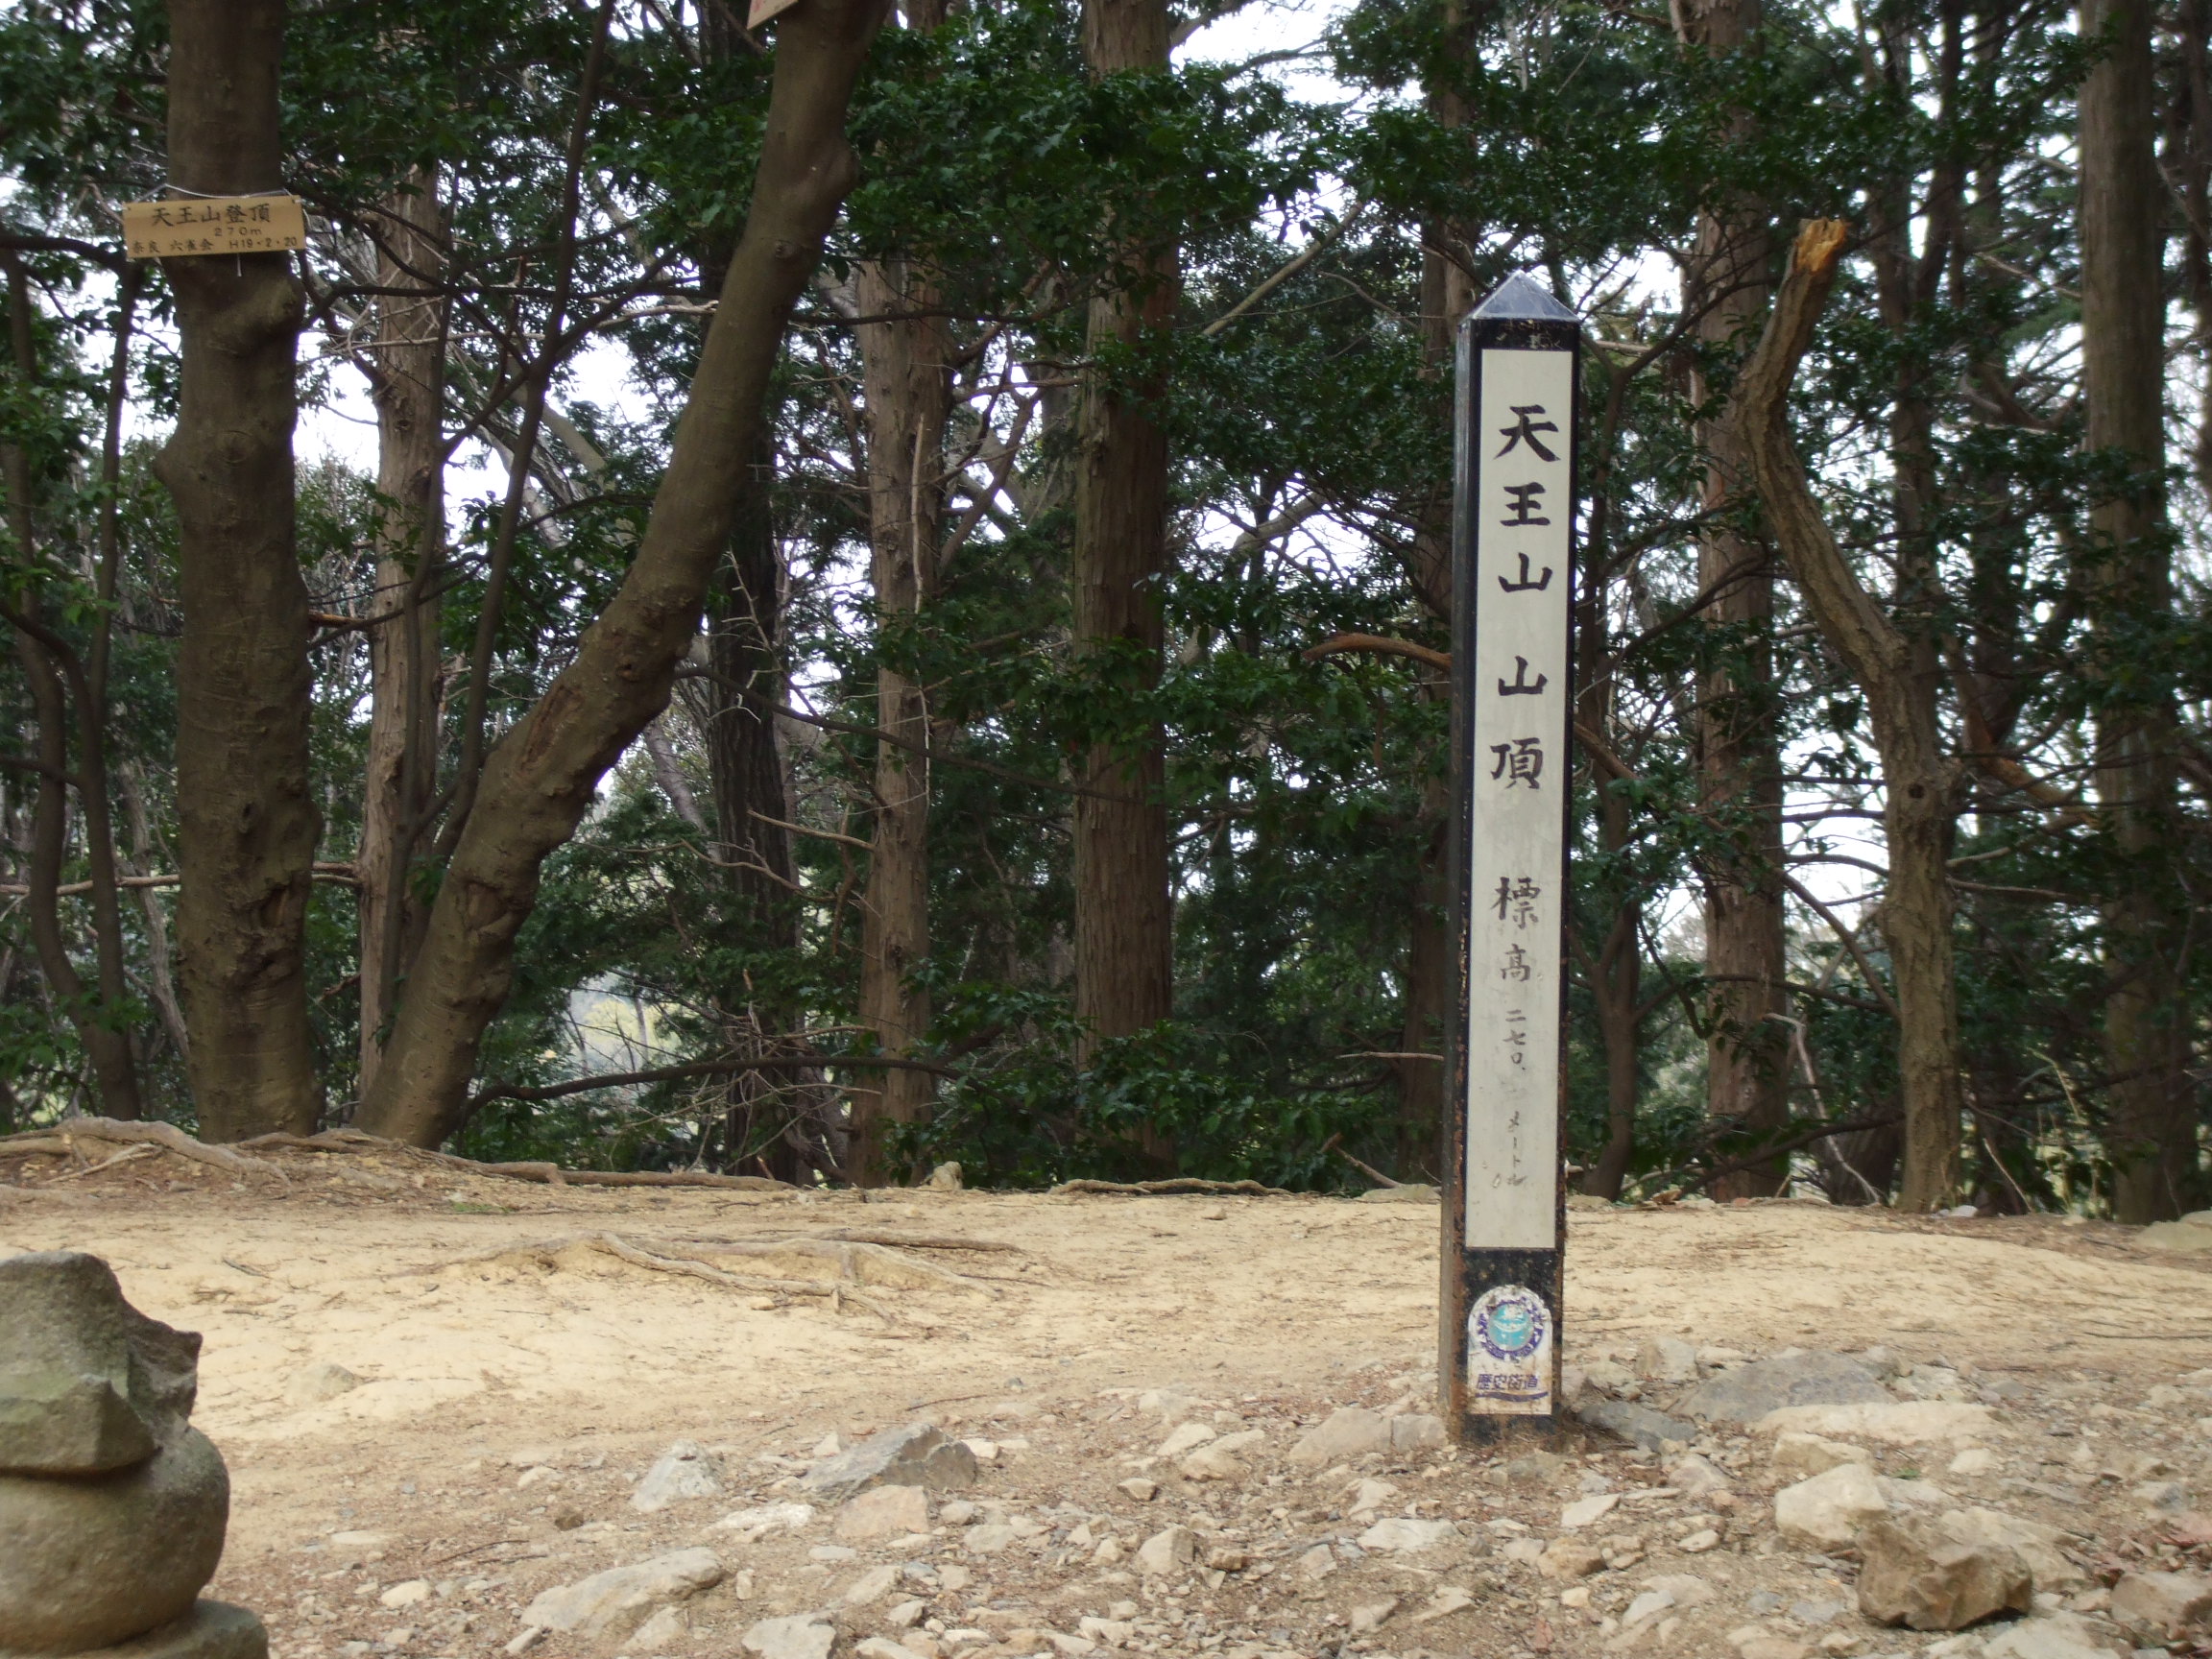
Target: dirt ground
(511,1387)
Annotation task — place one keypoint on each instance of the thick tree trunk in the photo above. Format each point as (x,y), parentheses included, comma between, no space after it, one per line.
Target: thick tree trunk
(1124,914)
(247,823)
(908,388)
(1918,778)
(2151,1129)
(541,777)
(1740,769)
(407,373)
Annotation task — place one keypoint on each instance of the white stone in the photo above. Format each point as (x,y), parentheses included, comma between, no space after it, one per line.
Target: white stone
(1350,1432)
(1370,1495)
(1317,1562)
(1902,1422)
(1695,1478)
(989,1539)
(616,1601)
(798,1637)
(1589,1511)
(2050,1636)
(1974,1460)
(1168,1550)
(872,1585)
(769,1517)
(1698,1542)
(1183,1438)
(681,1472)
(1797,1455)
(907,1615)
(1648,1605)
(1369,1617)
(1108,1632)
(406,1595)
(883,1648)
(319,1383)
(1687,1588)
(537,1474)
(1070,1646)
(1402,1534)
(662,1632)
(1828,1510)
(883,1512)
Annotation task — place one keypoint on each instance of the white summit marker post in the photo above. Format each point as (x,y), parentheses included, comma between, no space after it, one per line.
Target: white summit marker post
(1513,578)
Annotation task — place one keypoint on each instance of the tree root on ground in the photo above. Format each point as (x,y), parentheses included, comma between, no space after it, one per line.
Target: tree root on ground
(846,1253)
(61,1139)
(552,1174)
(1182,1184)
(543,1250)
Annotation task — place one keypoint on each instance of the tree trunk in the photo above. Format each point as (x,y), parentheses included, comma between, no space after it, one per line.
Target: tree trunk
(97,1015)
(407,373)
(908,388)
(2151,1132)
(541,777)
(1918,778)
(1739,767)
(247,823)
(1124,914)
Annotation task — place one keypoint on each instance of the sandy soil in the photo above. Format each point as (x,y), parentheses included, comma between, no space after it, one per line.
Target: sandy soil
(477,1367)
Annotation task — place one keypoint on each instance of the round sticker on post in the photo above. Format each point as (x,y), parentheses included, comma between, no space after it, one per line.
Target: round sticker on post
(1509,1354)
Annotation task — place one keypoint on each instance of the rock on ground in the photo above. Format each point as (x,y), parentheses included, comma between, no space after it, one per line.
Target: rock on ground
(883,1512)
(2193,1233)
(612,1603)
(211,1630)
(1828,1510)
(798,1637)
(1401,1533)
(2158,1604)
(1800,1456)
(1918,1575)
(1348,1433)
(915,1455)
(1899,1422)
(1667,1359)
(2052,1636)
(315,1384)
(680,1474)
(1638,1425)
(1167,1551)
(2036,1543)
(1747,1393)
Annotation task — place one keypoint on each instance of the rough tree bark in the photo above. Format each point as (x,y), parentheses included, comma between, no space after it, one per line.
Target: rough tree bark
(540,778)
(908,389)
(1124,914)
(407,377)
(1918,778)
(247,823)
(1740,768)
(2127,574)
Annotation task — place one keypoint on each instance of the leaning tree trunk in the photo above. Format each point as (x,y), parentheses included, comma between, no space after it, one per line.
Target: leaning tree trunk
(1918,778)
(247,823)
(1125,915)
(1739,760)
(908,388)
(2147,1051)
(541,777)
(407,374)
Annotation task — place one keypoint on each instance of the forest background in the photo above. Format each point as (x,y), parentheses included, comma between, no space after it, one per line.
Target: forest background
(902,607)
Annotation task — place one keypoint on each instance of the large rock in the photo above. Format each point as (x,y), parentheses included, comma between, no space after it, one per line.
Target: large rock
(798,1637)
(208,1630)
(916,1455)
(2036,1543)
(1667,1359)
(1899,1422)
(1348,1433)
(94,1561)
(1800,1456)
(680,1474)
(1168,1550)
(2159,1606)
(1399,1532)
(2053,1636)
(609,1605)
(1828,1510)
(1747,1393)
(1638,1425)
(87,1383)
(883,1512)
(1917,1575)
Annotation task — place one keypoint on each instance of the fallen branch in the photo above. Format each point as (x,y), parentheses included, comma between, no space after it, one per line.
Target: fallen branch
(1367,1169)
(166,1136)
(708,1069)
(1182,1184)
